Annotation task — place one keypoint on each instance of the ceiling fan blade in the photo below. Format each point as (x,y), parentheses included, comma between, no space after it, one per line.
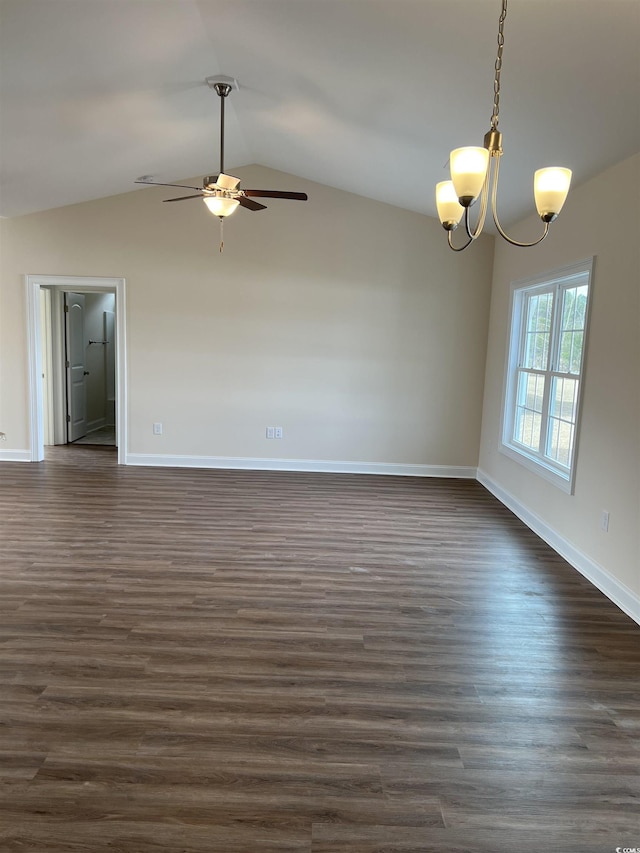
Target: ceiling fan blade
(275,194)
(184,197)
(157,184)
(250,204)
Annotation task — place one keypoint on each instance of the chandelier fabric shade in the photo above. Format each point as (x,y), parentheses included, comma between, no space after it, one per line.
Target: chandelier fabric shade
(474,175)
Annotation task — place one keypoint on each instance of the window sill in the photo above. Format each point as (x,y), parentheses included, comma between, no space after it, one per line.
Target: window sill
(565,483)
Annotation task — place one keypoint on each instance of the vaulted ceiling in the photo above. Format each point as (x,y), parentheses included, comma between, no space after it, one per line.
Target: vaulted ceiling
(365,95)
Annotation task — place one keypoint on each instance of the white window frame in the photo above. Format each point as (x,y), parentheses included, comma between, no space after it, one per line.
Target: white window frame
(555,281)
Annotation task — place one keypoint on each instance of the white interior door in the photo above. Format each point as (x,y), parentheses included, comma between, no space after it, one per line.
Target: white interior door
(76,370)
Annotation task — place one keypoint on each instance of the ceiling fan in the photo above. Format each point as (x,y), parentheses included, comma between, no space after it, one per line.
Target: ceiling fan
(221,193)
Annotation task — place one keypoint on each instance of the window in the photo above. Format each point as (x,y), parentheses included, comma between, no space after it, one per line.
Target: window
(549,317)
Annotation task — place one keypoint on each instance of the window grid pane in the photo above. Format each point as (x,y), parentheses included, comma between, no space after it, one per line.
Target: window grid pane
(562,419)
(538,331)
(574,304)
(561,448)
(529,406)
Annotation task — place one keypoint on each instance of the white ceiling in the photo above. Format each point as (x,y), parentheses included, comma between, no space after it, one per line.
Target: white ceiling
(366,95)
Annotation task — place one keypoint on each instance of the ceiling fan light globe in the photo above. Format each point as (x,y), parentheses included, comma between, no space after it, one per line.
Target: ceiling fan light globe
(468,172)
(449,208)
(221,206)
(550,189)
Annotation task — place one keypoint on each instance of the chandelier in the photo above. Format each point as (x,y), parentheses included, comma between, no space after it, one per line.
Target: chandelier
(474,174)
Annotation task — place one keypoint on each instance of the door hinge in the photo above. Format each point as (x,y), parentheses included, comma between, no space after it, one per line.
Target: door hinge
(68,418)
(66,364)
(66,309)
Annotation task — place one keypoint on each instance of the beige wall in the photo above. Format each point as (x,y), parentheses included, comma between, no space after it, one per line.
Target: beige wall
(345,321)
(600,218)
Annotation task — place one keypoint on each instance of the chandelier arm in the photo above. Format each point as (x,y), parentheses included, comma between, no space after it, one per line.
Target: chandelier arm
(458,248)
(517,242)
(466,224)
(473,235)
(501,231)
(484,196)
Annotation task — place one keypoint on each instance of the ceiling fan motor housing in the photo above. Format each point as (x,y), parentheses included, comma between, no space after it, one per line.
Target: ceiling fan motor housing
(220,182)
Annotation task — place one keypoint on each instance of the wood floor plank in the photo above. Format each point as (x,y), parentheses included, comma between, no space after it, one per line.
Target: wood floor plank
(237,662)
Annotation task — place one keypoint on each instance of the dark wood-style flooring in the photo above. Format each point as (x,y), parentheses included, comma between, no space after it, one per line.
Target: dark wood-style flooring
(235,662)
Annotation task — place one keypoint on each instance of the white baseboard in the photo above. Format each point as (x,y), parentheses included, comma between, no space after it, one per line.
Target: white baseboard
(311,465)
(15,456)
(617,592)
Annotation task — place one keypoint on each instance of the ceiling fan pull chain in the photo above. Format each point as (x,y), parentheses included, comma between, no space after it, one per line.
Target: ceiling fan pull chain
(221,218)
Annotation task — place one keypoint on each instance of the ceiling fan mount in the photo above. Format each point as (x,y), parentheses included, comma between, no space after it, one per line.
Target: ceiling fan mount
(221,193)
(222,84)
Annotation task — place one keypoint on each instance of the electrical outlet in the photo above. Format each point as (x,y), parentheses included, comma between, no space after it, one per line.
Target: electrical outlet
(3,436)
(271,432)
(157,429)
(277,432)
(604,520)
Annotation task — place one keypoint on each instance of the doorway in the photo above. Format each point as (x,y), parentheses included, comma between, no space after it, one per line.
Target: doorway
(77,360)
(89,366)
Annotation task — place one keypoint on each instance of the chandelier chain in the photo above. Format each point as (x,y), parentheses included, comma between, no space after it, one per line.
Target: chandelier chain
(495,118)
